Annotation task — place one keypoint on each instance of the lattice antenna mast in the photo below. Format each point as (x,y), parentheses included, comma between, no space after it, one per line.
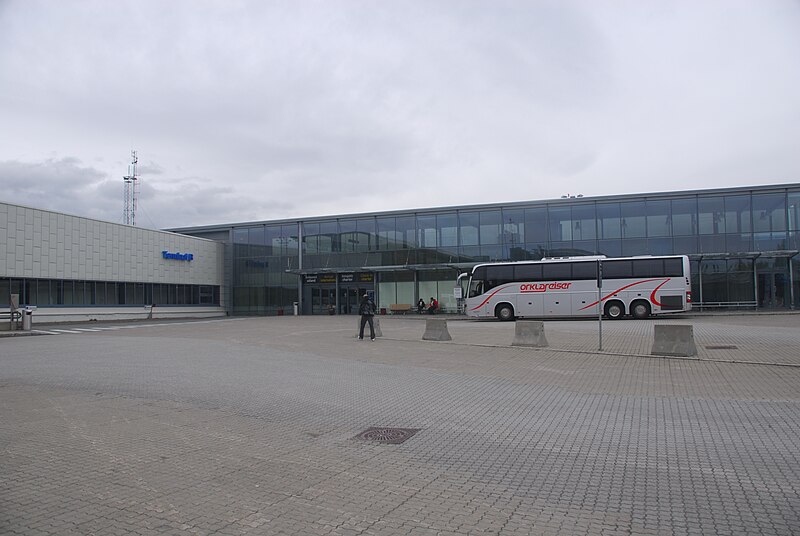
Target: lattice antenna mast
(131,180)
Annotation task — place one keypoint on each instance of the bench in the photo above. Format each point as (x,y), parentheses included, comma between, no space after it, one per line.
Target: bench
(399,308)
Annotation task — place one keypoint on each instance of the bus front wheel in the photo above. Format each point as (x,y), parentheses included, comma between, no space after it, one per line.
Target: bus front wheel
(640,310)
(614,310)
(504,312)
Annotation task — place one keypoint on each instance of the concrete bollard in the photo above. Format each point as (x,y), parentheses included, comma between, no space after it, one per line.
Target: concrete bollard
(436,330)
(375,322)
(674,340)
(530,333)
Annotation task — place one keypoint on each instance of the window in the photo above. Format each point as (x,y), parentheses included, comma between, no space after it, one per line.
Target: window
(684,219)
(673,267)
(659,219)
(498,275)
(737,214)
(560,270)
(536,227)
(584,270)
(608,220)
(528,272)
(648,267)
(617,269)
(426,231)
(634,223)
(711,215)
(448,229)
(560,222)
(584,222)
(490,227)
(468,224)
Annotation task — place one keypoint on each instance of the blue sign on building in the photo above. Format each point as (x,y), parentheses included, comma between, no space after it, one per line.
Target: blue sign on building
(177,256)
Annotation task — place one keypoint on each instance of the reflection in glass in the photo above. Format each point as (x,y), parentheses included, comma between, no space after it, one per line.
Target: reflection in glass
(608,220)
(737,213)
(769,212)
(659,219)
(711,215)
(584,223)
(468,225)
(536,225)
(634,224)
(490,227)
(684,217)
(560,223)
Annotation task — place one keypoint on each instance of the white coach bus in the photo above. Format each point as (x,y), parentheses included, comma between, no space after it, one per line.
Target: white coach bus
(563,287)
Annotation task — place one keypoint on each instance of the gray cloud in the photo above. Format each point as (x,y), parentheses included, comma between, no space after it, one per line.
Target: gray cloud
(253,110)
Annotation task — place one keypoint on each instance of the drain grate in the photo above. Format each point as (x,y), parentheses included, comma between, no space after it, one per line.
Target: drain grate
(722,347)
(389,436)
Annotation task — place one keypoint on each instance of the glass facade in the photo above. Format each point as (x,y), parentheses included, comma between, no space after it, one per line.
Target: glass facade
(69,292)
(742,243)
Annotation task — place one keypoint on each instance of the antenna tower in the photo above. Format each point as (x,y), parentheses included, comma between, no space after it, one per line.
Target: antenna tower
(131,179)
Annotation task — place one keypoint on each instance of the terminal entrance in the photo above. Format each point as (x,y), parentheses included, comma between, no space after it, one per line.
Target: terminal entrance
(330,294)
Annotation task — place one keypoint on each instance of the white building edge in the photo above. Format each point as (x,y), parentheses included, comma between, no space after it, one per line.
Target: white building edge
(71,268)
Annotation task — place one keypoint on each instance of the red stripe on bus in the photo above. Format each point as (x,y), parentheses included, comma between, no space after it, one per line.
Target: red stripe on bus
(489,297)
(629,286)
(653,294)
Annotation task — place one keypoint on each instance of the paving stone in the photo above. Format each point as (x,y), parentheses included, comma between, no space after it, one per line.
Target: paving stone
(247,426)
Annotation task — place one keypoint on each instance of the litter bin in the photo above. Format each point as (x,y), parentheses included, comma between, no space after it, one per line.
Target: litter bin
(27,319)
(295,308)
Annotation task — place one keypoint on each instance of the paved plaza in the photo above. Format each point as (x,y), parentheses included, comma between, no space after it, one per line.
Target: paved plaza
(249,426)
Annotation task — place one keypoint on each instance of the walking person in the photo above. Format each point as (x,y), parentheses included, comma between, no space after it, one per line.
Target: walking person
(367,310)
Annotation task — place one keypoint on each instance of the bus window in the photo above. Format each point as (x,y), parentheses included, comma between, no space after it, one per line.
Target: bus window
(648,268)
(475,288)
(556,270)
(476,285)
(498,275)
(673,267)
(584,270)
(617,270)
(528,272)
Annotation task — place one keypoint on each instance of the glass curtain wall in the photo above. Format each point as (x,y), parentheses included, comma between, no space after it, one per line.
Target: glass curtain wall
(724,231)
(261,256)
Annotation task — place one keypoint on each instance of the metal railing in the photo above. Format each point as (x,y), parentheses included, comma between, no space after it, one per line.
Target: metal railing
(726,305)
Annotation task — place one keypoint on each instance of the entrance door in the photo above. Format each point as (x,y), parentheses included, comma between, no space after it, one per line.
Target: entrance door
(349,300)
(772,290)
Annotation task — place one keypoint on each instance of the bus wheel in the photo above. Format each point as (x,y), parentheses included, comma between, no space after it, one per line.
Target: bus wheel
(504,312)
(614,310)
(640,310)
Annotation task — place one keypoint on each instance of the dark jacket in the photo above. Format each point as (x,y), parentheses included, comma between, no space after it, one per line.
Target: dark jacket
(367,307)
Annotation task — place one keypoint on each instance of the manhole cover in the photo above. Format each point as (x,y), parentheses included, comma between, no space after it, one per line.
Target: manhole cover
(392,436)
(722,347)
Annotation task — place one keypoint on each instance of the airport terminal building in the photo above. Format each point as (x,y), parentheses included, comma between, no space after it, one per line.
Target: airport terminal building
(743,244)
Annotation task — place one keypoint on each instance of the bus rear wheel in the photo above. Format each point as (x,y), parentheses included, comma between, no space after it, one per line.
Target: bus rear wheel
(640,310)
(614,310)
(504,312)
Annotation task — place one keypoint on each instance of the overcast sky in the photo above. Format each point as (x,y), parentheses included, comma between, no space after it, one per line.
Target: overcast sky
(251,110)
